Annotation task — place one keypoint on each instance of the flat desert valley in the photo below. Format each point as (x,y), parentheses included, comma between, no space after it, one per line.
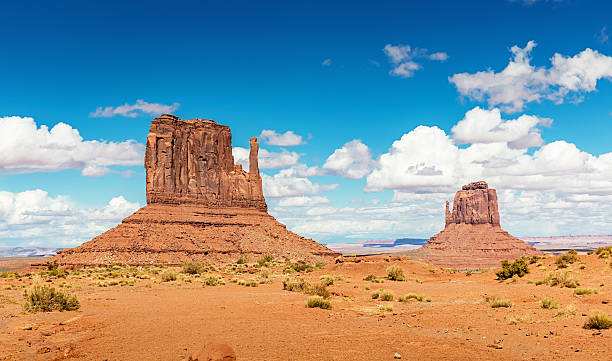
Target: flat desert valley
(164,313)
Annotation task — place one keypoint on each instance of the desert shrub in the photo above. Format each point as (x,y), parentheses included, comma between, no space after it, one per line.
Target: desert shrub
(540,282)
(301,267)
(383,295)
(533,259)
(520,319)
(319,290)
(212,280)
(412,296)
(327,280)
(168,275)
(585,291)
(568,258)
(381,309)
(567,312)
(371,278)
(265,260)
(296,285)
(318,301)
(599,321)
(604,252)
(244,259)
(496,303)
(46,298)
(251,284)
(396,273)
(192,268)
(519,268)
(549,303)
(561,279)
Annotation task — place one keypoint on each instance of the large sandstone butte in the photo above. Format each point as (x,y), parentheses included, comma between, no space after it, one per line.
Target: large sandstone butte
(201,207)
(473,236)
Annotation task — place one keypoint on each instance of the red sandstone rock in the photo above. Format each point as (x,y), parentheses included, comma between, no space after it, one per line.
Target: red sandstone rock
(201,207)
(473,231)
(214,352)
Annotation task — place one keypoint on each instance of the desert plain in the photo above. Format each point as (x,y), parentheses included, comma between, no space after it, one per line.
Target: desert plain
(258,308)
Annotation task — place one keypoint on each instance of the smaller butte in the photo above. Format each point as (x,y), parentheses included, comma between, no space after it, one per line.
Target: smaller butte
(473,236)
(201,207)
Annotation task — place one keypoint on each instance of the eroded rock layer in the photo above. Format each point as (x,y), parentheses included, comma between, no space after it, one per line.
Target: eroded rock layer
(201,206)
(473,232)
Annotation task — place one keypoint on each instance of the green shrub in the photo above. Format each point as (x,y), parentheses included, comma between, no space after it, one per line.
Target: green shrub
(265,260)
(168,275)
(496,303)
(327,280)
(296,285)
(549,303)
(372,278)
(301,267)
(319,290)
(46,298)
(212,280)
(585,291)
(598,321)
(244,259)
(318,301)
(396,273)
(383,295)
(412,296)
(519,267)
(561,279)
(192,268)
(568,258)
(604,252)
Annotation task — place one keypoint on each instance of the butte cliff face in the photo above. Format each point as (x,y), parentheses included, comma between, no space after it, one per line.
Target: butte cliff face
(201,207)
(473,236)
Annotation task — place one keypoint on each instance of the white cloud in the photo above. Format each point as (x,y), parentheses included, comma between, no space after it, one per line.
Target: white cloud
(487,126)
(133,110)
(267,159)
(35,218)
(287,183)
(352,161)
(602,36)
(326,62)
(521,83)
(303,201)
(286,139)
(24,147)
(403,59)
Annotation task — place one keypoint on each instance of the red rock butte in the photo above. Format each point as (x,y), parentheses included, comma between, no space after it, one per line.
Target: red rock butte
(201,207)
(473,236)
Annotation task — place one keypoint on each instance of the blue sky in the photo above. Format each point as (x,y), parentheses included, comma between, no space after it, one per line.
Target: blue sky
(367,73)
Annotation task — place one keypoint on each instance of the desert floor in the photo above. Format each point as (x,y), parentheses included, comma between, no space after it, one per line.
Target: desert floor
(131,314)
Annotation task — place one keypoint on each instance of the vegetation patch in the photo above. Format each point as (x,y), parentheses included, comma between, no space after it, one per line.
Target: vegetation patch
(46,298)
(413,296)
(549,303)
(567,312)
(383,295)
(598,321)
(561,279)
(497,303)
(604,252)
(566,259)
(585,291)
(396,273)
(318,302)
(372,278)
(327,280)
(168,275)
(517,268)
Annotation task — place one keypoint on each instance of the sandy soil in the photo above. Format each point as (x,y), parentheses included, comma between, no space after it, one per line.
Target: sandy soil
(154,320)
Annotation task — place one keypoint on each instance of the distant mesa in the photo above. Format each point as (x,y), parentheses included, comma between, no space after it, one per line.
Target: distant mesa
(201,207)
(473,235)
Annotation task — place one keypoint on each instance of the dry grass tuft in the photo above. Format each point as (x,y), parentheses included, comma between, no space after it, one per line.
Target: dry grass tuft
(46,298)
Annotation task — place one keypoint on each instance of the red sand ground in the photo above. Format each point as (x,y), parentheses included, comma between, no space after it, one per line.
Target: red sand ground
(155,320)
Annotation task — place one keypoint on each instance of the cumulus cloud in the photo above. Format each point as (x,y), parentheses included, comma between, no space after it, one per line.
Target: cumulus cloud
(25,147)
(35,218)
(487,126)
(521,83)
(288,183)
(133,110)
(267,159)
(303,201)
(403,58)
(352,161)
(286,139)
